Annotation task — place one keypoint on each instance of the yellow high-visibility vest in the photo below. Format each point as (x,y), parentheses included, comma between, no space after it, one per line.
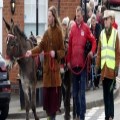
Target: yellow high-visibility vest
(108,49)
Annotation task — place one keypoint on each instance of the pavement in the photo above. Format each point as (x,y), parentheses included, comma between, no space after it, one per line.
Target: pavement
(94,98)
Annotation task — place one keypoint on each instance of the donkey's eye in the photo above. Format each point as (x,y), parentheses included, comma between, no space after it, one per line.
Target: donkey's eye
(12,44)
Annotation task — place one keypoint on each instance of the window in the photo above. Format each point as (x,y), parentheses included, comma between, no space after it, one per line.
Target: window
(30,16)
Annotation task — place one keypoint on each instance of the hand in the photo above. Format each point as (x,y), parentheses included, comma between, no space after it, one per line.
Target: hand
(116,72)
(69,66)
(28,53)
(62,69)
(96,71)
(90,54)
(52,53)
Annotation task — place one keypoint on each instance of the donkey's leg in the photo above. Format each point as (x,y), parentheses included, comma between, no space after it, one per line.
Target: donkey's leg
(27,99)
(27,104)
(33,102)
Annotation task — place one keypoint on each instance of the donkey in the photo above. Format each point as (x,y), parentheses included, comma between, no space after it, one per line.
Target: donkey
(17,45)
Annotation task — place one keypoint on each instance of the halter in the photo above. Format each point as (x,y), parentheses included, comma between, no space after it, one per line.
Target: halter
(14,45)
(10,36)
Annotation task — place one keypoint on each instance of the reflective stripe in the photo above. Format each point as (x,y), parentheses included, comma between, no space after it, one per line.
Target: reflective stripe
(109,57)
(107,47)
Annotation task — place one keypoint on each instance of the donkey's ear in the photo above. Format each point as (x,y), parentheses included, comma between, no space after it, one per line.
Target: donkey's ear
(7,25)
(31,33)
(12,22)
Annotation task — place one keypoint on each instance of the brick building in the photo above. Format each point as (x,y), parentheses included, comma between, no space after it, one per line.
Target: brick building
(66,7)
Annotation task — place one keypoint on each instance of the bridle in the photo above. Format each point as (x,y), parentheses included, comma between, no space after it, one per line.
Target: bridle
(14,45)
(10,36)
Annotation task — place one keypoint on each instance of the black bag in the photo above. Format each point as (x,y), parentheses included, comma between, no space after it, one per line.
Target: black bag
(39,72)
(88,47)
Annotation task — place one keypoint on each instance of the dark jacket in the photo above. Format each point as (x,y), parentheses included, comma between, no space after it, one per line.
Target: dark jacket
(96,32)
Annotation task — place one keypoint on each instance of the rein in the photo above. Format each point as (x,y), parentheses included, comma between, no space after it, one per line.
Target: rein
(88,62)
(51,63)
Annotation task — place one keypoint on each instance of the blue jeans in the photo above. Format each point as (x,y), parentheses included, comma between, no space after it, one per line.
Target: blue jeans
(79,85)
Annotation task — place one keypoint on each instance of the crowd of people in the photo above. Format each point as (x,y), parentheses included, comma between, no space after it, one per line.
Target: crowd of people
(65,68)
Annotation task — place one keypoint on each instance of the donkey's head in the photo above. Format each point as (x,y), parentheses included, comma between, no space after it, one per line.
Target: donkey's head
(14,40)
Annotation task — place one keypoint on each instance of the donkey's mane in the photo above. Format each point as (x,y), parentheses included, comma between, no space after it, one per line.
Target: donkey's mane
(21,33)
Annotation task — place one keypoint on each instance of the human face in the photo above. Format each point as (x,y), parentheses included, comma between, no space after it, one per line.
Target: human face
(79,17)
(107,22)
(93,22)
(64,26)
(90,13)
(50,18)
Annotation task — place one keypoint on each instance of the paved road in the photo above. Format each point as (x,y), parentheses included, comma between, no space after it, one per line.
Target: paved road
(96,113)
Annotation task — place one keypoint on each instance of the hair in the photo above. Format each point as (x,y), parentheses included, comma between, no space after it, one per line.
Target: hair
(89,9)
(21,33)
(93,17)
(79,9)
(91,3)
(103,8)
(53,10)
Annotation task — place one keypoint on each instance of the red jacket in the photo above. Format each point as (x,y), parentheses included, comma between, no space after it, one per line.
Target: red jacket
(77,41)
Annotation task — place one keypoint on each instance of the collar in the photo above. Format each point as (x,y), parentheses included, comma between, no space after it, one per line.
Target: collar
(108,32)
(79,24)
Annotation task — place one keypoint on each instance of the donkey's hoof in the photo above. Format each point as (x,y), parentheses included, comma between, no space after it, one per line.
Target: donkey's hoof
(37,118)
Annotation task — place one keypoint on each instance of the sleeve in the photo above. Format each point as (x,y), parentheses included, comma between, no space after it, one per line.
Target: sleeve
(98,59)
(39,48)
(60,53)
(91,38)
(117,52)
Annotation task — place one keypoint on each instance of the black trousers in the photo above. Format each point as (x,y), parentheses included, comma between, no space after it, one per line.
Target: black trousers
(108,86)
(66,93)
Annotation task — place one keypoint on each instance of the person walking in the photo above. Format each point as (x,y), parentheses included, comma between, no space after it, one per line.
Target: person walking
(53,46)
(66,75)
(79,35)
(108,61)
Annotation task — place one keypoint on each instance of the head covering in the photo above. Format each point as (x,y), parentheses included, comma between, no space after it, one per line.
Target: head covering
(107,13)
(113,14)
(65,21)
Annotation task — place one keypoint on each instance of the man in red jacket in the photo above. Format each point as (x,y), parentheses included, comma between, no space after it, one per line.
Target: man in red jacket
(79,35)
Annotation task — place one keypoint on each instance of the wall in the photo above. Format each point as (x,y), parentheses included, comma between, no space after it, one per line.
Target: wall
(67,7)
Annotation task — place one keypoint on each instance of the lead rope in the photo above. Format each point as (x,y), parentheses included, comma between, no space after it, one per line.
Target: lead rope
(88,62)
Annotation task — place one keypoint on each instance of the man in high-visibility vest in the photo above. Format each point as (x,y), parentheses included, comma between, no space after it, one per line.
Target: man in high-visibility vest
(108,61)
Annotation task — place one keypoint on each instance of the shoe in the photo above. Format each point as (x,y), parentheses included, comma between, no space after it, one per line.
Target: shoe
(110,118)
(77,118)
(67,117)
(48,118)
